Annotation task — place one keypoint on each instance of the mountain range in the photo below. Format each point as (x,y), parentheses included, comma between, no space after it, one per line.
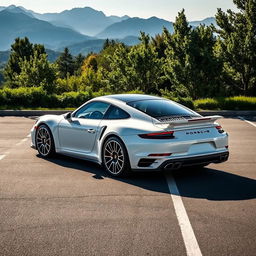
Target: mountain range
(81,29)
(133,26)
(84,20)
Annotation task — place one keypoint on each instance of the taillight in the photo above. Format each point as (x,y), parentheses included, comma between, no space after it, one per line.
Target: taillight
(158,135)
(220,129)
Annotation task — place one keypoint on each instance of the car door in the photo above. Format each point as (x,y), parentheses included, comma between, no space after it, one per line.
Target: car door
(78,133)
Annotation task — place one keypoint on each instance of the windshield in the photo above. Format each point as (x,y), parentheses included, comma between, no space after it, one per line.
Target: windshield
(162,108)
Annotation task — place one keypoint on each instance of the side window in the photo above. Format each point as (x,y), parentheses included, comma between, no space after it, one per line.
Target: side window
(93,110)
(116,113)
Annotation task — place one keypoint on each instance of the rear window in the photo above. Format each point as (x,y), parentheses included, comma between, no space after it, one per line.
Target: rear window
(162,108)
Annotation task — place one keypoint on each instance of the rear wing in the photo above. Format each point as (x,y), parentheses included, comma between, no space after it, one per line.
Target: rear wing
(183,121)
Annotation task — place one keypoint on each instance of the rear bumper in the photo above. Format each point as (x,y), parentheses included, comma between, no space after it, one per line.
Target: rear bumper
(174,164)
(198,160)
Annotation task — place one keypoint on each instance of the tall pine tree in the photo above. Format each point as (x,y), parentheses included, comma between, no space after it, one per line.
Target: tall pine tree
(191,65)
(65,64)
(238,45)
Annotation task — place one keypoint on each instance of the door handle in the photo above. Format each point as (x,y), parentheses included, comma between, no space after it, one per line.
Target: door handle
(91,130)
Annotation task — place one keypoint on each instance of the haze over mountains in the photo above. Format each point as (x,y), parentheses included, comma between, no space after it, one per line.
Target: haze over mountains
(84,20)
(81,29)
(133,26)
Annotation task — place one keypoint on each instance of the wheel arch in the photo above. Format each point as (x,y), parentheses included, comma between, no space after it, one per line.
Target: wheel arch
(50,128)
(104,141)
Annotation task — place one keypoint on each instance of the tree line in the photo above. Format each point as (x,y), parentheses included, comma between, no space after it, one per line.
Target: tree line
(192,62)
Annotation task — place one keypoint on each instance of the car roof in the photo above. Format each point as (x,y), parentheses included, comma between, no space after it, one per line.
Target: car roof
(132,97)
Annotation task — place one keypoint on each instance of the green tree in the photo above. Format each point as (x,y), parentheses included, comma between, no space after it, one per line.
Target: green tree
(106,54)
(65,64)
(176,65)
(21,50)
(237,45)
(37,71)
(90,62)
(1,76)
(108,43)
(160,45)
(191,66)
(78,62)
(39,49)
(136,68)
(205,67)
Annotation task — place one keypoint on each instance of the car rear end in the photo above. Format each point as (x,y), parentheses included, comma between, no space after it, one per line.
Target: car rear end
(179,140)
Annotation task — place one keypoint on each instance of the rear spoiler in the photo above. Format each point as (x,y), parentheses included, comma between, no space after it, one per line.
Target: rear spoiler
(178,121)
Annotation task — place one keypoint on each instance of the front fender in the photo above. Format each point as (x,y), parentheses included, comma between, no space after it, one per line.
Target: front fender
(52,122)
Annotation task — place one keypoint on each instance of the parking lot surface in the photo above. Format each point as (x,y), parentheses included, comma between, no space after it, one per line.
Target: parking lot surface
(65,206)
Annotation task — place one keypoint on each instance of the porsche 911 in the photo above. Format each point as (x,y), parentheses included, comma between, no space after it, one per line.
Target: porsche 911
(133,132)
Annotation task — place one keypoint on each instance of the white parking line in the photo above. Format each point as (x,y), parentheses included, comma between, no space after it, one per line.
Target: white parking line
(187,232)
(251,123)
(17,144)
(23,140)
(2,157)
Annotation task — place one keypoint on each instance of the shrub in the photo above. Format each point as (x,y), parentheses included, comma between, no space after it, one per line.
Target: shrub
(26,97)
(239,103)
(36,97)
(207,104)
(230,103)
(73,99)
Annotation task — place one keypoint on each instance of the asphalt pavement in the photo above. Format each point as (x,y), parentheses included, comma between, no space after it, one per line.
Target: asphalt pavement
(65,206)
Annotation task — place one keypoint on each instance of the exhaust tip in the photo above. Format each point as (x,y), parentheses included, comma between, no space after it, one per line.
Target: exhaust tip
(224,158)
(177,165)
(169,166)
(173,166)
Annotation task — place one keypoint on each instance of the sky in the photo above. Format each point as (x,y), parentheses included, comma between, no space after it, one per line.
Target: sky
(166,9)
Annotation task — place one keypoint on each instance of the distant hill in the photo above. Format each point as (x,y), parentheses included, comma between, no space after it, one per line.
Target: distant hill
(118,19)
(38,31)
(96,45)
(133,26)
(15,9)
(130,40)
(207,22)
(58,30)
(84,20)
(4,56)
(52,56)
(85,47)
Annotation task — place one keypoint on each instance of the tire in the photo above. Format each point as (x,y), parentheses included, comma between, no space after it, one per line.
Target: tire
(44,141)
(115,158)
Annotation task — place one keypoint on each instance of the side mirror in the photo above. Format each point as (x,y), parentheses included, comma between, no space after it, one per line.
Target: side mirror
(68,116)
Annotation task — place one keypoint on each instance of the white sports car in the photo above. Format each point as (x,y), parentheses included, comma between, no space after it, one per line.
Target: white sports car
(130,132)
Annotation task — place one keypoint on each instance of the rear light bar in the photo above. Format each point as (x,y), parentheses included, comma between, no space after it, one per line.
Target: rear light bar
(164,154)
(220,129)
(158,135)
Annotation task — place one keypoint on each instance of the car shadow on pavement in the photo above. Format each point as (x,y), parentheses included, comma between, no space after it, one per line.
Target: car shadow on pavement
(153,181)
(206,183)
(214,184)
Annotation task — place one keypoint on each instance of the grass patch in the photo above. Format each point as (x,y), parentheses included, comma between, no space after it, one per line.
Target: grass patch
(229,103)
